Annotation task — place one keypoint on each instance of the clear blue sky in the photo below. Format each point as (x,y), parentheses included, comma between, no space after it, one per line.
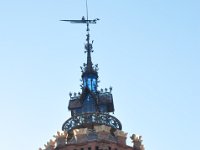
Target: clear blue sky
(147,50)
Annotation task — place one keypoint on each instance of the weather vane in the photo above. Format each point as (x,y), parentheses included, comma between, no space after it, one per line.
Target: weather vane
(88,45)
(84,20)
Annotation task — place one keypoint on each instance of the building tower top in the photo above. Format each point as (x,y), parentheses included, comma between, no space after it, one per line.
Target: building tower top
(91,127)
(91,107)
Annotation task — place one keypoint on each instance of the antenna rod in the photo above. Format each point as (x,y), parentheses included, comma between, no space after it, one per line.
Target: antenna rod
(87,9)
(87,16)
(88,45)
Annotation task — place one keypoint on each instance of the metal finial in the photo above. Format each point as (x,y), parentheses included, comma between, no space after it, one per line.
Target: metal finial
(70,94)
(87,16)
(106,89)
(88,45)
(110,89)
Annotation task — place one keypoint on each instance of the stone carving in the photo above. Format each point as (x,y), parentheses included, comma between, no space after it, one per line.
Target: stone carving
(80,131)
(50,145)
(80,135)
(120,133)
(137,141)
(102,128)
(60,138)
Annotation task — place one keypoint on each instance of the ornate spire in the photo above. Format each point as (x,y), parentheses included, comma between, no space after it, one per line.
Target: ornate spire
(90,107)
(88,45)
(90,122)
(89,50)
(88,68)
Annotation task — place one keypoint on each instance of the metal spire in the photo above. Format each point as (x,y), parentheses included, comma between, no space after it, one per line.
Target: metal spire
(91,103)
(88,45)
(87,16)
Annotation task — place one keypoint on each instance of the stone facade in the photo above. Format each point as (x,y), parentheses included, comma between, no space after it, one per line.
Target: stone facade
(99,138)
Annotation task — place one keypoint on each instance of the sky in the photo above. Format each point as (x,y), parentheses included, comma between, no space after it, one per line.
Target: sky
(147,50)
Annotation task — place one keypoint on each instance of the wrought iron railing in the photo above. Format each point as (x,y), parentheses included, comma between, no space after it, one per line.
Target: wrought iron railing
(88,119)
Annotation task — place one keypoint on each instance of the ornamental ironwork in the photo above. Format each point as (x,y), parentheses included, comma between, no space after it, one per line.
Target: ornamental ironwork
(87,119)
(91,106)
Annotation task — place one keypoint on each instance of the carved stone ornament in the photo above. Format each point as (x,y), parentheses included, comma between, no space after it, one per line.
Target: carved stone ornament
(120,133)
(61,135)
(137,140)
(102,128)
(81,131)
(61,138)
(50,145)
